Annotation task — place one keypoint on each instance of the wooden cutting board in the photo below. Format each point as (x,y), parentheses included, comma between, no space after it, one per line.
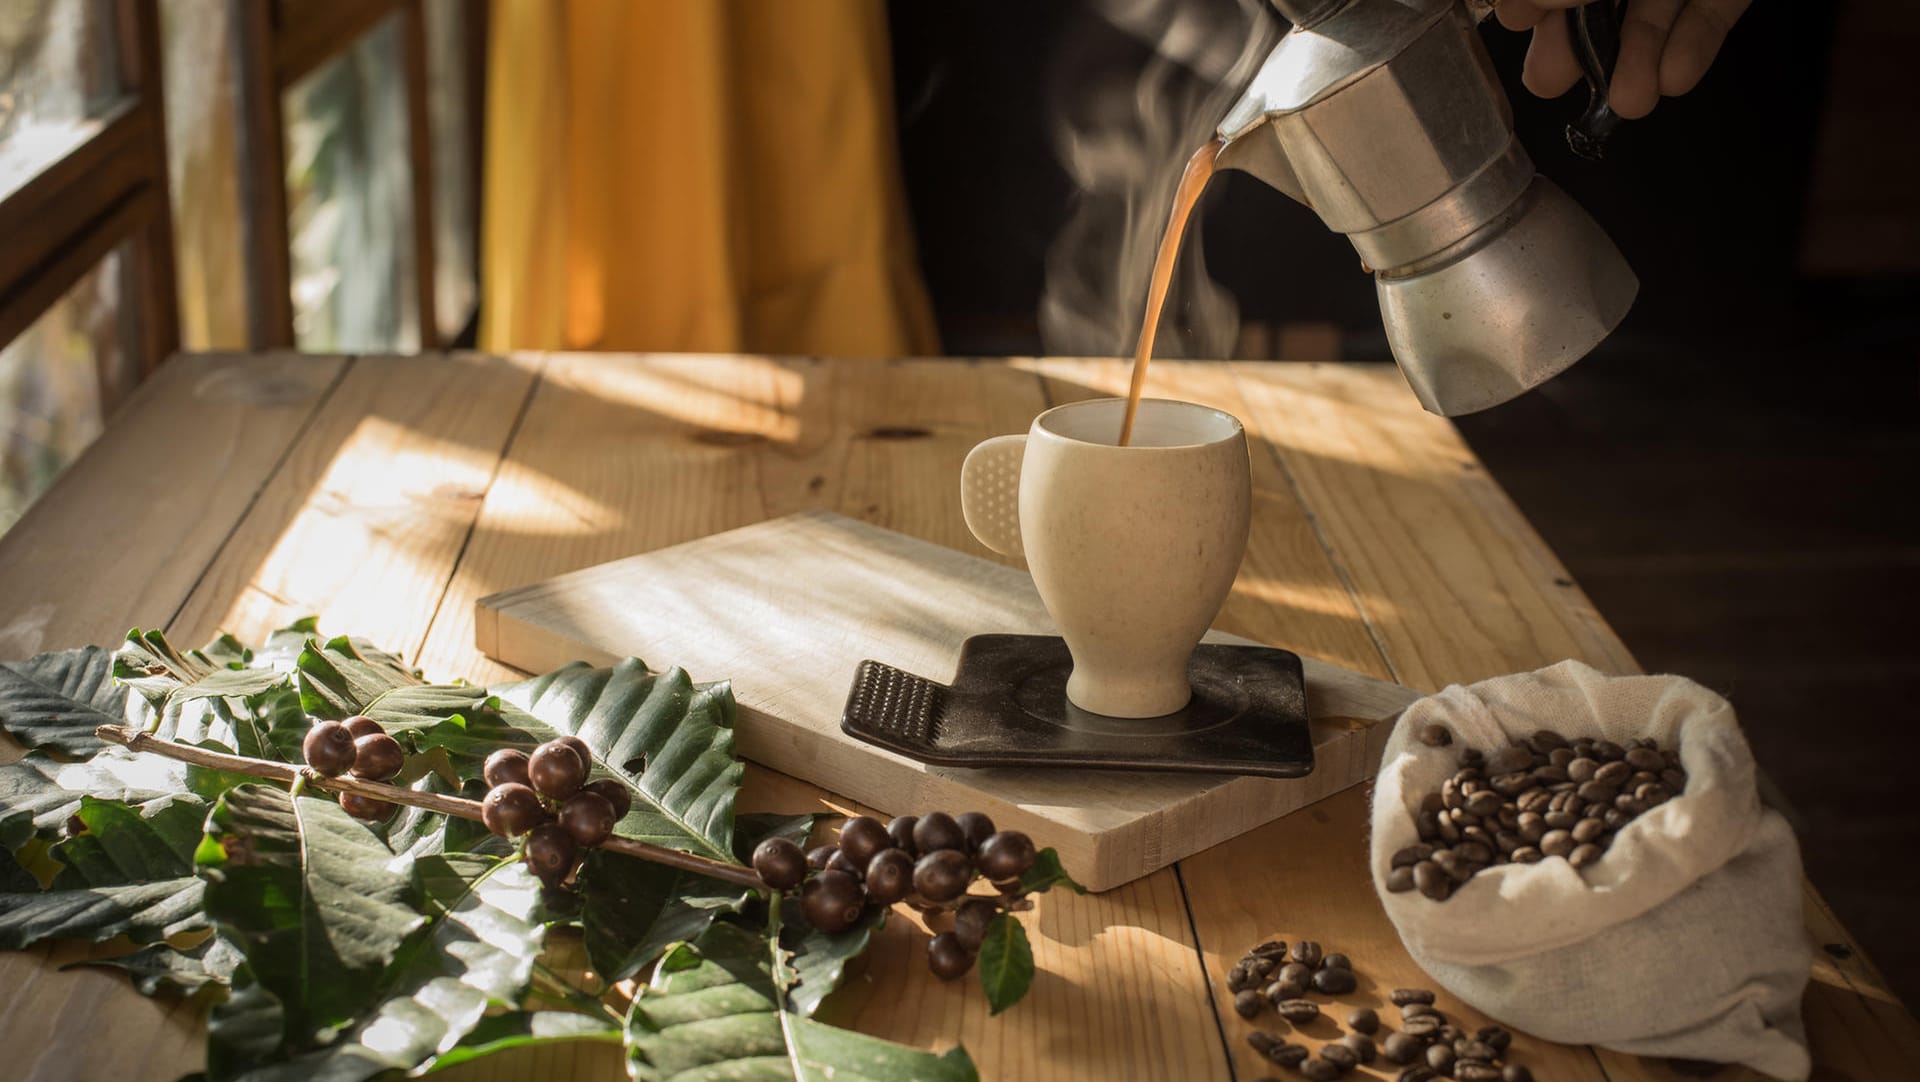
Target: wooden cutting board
(787,609)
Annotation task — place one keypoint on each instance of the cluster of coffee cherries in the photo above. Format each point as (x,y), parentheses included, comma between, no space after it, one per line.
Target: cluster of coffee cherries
(360,746)
(928,861)
(546,797)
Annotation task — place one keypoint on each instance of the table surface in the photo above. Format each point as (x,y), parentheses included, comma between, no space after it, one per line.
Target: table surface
(387,494)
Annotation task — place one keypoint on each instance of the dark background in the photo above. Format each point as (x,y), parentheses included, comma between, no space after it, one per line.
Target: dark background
(1732,476)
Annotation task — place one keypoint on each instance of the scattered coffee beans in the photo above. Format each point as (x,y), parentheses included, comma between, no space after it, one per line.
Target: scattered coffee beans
(1298,1011)
(1362,1046)
(1365,1020)
(1248,1003)
(1340,1056)
(1536,799)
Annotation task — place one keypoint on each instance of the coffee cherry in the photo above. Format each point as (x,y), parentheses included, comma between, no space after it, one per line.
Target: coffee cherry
(555,770)
(361,725)
(842,863)
(328,748)
(550,852)
(948,957)
(780,863)
(821,855)
(861,837)
(377,757)
(365,807)
(511,809)
(938,830)
(900,829)
(831,901)
(970,922)
(1006,855)
(615,794)
(580,748)
(977,828)
(889,876)
(506,765)
(588,818)
(942,875)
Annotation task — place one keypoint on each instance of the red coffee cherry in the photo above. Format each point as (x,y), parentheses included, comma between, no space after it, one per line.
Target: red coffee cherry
(506,765)
(937,830)
(555,770)
(948,957)
(780,863)
(511,809)
(831,901)
(365,807)
(328,748)
(861,837)
(977,828)
(970,922)
(1006,855)
(615,794)
(942,875)
(588,818)
(550,852)
(377,757)
(889,876)
(361,725)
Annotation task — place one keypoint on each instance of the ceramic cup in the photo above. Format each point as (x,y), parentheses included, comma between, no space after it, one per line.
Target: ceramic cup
(1132,548)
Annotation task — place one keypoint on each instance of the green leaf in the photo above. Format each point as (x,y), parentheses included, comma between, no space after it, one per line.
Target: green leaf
(38,794)
(127,873)
(718,1008)
(315,901)
(56,700)
(165,968)
(1047,873)
(478,955)
(633,909)
(1006,963)
(523,1029)
(820,960)
(197,696)
(345,677)
(669,740)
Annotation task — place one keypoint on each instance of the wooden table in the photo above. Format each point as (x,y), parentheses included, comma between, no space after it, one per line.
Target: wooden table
(386,494)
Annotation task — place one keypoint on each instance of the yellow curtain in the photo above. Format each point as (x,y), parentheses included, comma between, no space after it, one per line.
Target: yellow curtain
(701,175)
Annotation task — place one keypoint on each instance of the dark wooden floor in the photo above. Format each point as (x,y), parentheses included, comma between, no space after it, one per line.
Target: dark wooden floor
(1753,522)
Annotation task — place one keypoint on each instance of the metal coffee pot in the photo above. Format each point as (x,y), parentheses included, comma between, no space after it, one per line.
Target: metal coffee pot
(1385,117)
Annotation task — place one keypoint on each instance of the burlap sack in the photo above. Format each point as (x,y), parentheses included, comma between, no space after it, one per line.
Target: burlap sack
(1686,939)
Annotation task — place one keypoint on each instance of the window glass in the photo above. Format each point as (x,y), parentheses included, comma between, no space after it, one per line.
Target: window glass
(452,108)
(57,74)
(196,41)
(53,379)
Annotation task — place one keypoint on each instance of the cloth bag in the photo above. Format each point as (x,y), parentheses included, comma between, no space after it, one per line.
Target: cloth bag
(1687,938)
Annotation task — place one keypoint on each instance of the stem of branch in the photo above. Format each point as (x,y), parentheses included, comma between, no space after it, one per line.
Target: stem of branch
(148,744)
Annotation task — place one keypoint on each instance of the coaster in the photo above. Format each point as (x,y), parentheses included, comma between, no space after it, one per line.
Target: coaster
(1008,707)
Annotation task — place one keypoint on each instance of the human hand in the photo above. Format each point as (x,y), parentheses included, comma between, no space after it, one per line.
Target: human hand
(1665,47)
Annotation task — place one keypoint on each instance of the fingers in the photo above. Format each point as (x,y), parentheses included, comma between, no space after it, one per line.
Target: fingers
(1635,87)
(1519,14)
(1695,41)
(1551,69)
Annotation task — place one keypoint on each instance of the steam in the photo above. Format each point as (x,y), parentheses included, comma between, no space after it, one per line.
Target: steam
(1123,140)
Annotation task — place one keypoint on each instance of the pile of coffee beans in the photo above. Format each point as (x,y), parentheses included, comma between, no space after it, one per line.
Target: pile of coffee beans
(546,797)
(1278,977)
(359,745)
(928,861)
(1533,800)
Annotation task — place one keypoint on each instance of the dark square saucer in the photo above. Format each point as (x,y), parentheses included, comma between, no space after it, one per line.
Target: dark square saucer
(1008,707)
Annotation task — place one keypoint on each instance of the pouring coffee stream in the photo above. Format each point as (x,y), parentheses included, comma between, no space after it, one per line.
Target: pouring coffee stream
(1193,181)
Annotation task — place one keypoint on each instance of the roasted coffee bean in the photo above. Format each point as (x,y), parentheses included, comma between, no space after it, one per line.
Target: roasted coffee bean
(1652,794)
(1674,779)
(1561,820)
(1289,1055)
(1587,830)
(1514,1072)
(1449,830)
(1271,949)
(1260,967)
(1630,804)
(1561,756)
(1584,855)
(1475,852)
(1411,855)
(1239,977)
(1494,1037)
(1468,1048)
(1532,826)
(1336,960)
(1582,769)
(1458,868)
(1511,785)
(1448,1034)
(1484,803)
(1549,775)
(1613,773)
(1364,1020)
(1432,881)
(1417,1073)
(1509,817)
(1477,834)
(1475,1070)
(1427,825)
(1615,818)
(1597,792)
(1436,736)
(1308,953)
(1262,1041)
(1505,842)
(1440,1057)
(1294,973)
(1298,1011)
(1608,750)
(1557,843)
(1527,854)
(1402,997)
(1320,1070)
(1282,990)
(1646,759)
(1507,760)
(1334,982)
(1401,1048)
(1362,1046)
(1249,1003)
(1340,1056)
(1472,759)
(1400,880)
(1534,800)
(1546,741)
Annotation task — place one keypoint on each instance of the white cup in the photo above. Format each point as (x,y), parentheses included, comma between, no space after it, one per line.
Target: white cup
(1132,548)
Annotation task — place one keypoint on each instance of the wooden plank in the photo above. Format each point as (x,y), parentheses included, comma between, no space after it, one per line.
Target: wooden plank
(619,455)
(364,523)
(128,531)
(787,609)
(121,540)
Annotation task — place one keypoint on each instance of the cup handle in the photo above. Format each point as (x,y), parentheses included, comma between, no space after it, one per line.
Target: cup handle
(990,493)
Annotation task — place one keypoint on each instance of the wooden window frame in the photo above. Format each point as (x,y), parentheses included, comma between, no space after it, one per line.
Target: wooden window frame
(109,191)
(279,43)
